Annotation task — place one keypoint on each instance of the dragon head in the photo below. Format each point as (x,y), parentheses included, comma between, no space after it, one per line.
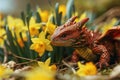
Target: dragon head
(66,34)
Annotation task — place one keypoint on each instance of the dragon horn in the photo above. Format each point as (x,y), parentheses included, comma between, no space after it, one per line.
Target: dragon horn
(71,20)
(81,23)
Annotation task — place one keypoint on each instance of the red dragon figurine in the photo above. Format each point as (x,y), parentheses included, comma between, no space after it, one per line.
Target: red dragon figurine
(91,45)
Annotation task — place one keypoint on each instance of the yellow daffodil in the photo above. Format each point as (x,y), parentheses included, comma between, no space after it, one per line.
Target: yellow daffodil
(15,24)
(43,72)
(34,27)
(4,72)
(62,8)
(2,23)
(41,44)
(50,27)
(87,69)
(109,25)
(46,65)
(43,14)
(20,41)
(2,36)
(2,31)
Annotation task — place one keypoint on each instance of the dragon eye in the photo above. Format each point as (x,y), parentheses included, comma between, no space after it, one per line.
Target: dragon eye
(64,35)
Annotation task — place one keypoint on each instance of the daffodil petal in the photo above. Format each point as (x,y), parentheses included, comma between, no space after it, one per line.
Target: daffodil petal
(32,46)
(49,48)
(47,62)
(42,35)
(32,21)
(35,40)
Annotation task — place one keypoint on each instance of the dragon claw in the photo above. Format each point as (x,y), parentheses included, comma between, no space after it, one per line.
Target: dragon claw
(102,64)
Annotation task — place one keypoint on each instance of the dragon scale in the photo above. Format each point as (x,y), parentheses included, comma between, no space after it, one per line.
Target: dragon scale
(87,54)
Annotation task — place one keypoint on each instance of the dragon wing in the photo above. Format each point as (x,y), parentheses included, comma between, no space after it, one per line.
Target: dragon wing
(113,34)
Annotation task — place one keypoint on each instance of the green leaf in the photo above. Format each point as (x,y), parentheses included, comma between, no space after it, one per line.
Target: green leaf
(23,17)
(38,18)
(52,19)
(28,9)
(58,15)
(59,18)
(56,12)
(44,57)
(19,49)
(11,40)
(1,55)
(57,54)
(29,42)
(70,8)
(28,20)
